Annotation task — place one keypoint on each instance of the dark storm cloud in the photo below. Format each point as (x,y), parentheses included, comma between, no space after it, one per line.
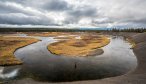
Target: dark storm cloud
(84,12)
(17,14)
(6,8)
(76,14)
(21,19)
(56,5)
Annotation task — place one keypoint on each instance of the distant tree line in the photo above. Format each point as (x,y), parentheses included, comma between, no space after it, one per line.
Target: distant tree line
(43,30)
(70,30)
(140,30)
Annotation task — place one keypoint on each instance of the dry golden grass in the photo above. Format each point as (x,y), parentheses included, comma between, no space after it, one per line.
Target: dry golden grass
(79,47)
(8,45)
(47,34)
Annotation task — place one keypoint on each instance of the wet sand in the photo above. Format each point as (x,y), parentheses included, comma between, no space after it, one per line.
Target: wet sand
(137,76)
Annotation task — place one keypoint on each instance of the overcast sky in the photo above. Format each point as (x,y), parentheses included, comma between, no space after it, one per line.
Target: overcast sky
(73,13)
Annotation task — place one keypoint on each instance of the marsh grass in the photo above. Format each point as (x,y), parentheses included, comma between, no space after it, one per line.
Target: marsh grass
(48,34)
(8,45)
(87,45)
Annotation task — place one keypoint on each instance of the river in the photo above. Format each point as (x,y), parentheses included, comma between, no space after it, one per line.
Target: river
(40,65)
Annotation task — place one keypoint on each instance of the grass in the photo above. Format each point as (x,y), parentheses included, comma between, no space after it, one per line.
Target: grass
(8,45)
(133,44)
(46,34)
(79,47)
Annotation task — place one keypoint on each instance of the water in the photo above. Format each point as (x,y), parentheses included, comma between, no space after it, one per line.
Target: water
(41,65)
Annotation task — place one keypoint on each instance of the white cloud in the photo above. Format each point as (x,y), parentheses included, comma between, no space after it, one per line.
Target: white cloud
(74,13)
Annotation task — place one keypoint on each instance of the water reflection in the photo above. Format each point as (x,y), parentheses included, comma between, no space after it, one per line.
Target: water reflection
(10,74)
(41,65)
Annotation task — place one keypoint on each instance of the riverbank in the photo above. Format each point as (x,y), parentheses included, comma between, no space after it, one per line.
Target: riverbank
(8,45)
(137,76)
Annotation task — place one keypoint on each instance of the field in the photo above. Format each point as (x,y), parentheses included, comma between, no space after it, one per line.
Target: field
(8,45)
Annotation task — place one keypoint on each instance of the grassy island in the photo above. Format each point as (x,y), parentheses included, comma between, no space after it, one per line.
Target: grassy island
(84,44)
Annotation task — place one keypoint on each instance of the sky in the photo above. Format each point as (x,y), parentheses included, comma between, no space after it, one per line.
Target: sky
(73,13)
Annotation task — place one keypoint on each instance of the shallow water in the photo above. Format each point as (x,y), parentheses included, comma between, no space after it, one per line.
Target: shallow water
(41,65)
